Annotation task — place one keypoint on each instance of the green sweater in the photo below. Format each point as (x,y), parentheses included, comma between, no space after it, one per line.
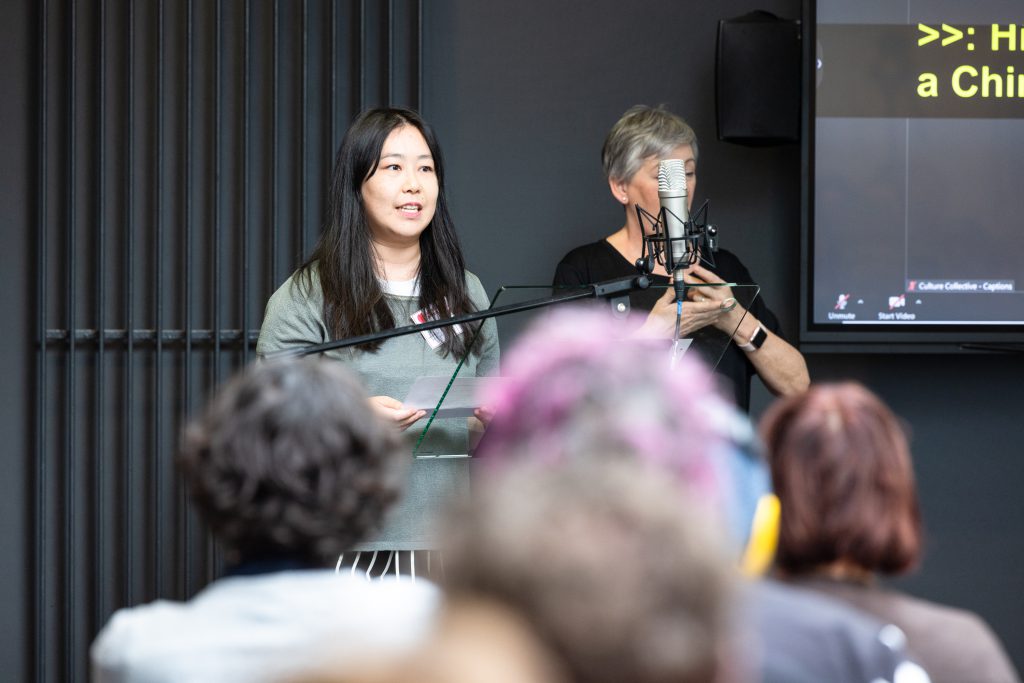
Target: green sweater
(294,318)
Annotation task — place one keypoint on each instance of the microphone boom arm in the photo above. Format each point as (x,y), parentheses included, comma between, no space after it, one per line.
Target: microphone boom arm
(610,289)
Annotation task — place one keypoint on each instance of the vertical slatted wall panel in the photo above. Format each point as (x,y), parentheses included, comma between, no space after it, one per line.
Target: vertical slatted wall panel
(182,155)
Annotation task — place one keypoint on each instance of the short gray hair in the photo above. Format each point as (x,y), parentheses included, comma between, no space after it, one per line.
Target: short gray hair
(643,132)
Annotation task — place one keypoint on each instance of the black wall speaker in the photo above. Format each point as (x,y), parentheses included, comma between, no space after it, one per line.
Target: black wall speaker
(757,79)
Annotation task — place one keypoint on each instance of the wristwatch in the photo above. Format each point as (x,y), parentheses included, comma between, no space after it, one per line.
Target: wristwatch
(756,340)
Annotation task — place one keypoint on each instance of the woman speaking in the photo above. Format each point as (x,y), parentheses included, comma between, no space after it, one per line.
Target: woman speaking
(389,257)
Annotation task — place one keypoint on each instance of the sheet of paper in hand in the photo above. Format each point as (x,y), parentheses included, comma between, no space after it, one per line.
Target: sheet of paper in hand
(460,401)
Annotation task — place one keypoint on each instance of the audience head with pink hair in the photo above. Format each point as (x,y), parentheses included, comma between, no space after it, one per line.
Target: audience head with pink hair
(571,390)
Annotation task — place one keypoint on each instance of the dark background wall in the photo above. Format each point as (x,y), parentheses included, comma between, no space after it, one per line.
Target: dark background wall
(166,169)
(521,95)
(15,344)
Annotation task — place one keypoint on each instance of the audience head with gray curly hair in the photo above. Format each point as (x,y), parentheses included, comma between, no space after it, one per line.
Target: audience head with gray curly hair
(288,461)
(288,466)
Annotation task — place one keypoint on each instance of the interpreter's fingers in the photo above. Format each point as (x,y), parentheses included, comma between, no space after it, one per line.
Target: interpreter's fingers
(699,271)
(667,296)
(704,306)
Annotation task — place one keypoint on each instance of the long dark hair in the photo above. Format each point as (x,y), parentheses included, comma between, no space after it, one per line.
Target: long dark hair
(354,302)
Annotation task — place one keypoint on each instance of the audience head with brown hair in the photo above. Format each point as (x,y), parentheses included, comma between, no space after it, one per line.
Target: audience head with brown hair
(841,467)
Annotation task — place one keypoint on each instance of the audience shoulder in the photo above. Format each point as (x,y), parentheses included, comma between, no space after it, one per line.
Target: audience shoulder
(132,637)
(807,636)
(298,611)
(958,642)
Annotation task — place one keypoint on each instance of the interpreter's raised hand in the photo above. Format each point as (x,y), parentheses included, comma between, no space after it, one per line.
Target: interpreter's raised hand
(701,313)
(661,321)
(719,298)
(394,412)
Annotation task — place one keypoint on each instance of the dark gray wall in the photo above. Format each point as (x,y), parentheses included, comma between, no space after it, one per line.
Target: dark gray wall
(164,172)
(522,95)
(15,357)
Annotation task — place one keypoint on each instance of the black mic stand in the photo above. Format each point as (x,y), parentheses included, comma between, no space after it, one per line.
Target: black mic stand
(699,238)
(700,241)
(616,291)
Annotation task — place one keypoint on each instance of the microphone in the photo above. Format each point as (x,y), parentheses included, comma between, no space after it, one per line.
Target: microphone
(673,199)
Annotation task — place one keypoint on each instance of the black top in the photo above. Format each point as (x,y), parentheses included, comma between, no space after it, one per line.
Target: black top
(600,261)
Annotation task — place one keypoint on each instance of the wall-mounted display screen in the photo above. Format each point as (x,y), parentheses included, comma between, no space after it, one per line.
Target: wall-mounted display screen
(914,191)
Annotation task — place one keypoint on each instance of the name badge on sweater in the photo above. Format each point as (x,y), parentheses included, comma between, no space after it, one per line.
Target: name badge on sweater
(435,337)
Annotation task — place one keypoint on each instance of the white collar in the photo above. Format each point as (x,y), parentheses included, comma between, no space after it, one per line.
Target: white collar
(405,288)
